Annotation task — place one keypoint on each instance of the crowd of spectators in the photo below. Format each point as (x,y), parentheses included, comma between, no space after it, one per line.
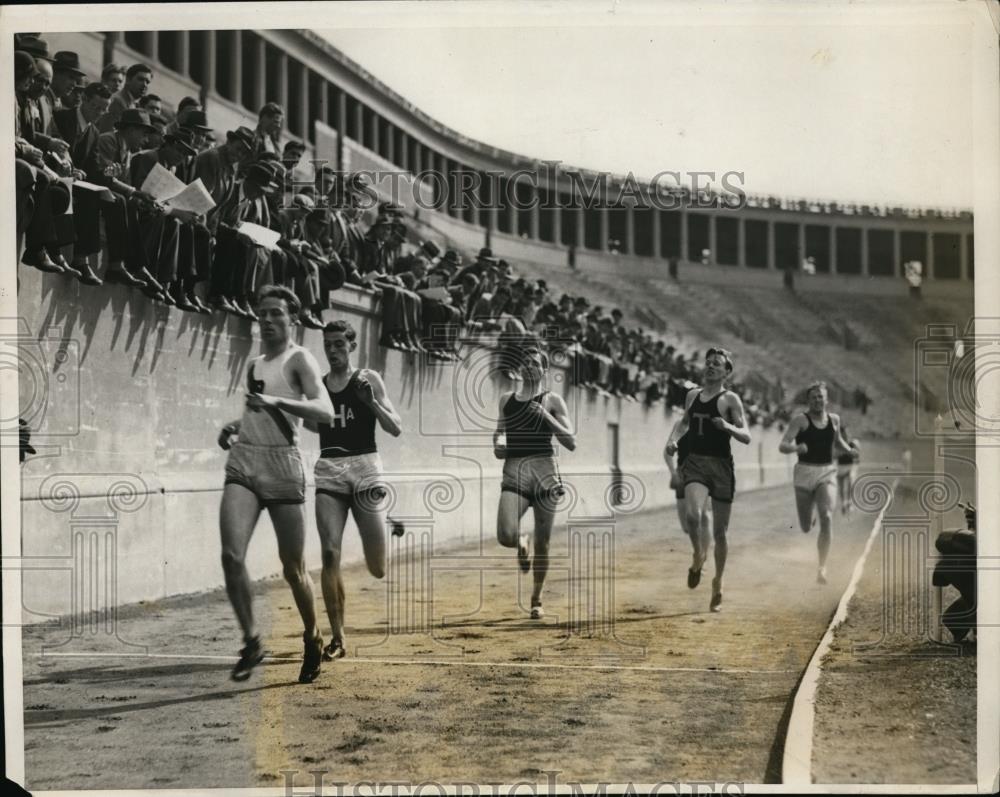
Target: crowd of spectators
(84,150)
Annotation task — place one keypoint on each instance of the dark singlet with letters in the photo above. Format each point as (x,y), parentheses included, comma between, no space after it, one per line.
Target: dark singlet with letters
(353,430)
(705,439)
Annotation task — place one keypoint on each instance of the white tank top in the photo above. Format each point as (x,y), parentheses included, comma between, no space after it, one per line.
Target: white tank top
(270,426)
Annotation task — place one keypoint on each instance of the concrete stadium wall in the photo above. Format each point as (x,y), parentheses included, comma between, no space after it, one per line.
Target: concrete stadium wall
(126,398)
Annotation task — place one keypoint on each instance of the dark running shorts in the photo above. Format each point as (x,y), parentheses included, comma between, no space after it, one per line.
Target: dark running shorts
(273,473)
(535,477)
(715,473)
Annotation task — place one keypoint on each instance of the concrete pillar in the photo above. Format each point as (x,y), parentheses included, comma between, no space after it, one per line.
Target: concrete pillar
(802,253)
(630,230)
(258,73)
(512,209)
(684,234)
(929,265)
(713,256)
(111,38)
(149,45)
(282,98)
(305,119)
(605,229)
(557,212)
(897,266)
(770,246)
(864,252)
(359,122)
(208,64)
(741,241)
(833,249)
(533,228)
(341,120)
(655,211)
(182,51)
(581,228)
(963,254)
(390,143)
(403,156)
(323,107)
(236,68)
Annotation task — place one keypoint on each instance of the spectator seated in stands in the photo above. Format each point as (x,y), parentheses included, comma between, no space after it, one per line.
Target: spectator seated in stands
(267,134)
(151,104)
(109,165)
(68,80)
(113,76)
(160,225)
(137,80)
(216,167)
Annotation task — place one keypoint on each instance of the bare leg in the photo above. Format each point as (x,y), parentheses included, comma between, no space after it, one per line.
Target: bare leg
(824,505)
(370,516)
(544,518)
(237,518)
(695,498)
(290,529)
(720,525)
(804,502)
(705,531)
(509,513)
(842,492)
(331,517)
(682,515)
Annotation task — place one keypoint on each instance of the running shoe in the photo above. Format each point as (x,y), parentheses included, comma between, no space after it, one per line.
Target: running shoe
(523,559)
(694,577)
(311,659)
(715,604)
(537,612)
(250,657)
(335,650)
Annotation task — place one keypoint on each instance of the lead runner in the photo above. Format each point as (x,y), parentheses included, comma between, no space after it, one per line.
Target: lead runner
(712,416)
(264,471)
(813,436)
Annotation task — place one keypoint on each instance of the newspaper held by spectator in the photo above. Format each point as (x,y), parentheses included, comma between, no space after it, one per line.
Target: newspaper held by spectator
(262,236)
(167,189)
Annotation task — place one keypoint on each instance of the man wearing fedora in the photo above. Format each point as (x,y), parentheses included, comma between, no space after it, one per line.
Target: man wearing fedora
(78,128)
(160,226)
(110,166)
(137,80)
(35,103)
(66,77)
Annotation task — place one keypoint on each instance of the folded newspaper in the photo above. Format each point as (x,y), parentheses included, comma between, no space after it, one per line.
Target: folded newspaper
(262,236)
(167,189)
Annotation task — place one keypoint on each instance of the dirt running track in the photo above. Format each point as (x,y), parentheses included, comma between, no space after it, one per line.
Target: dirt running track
(672,693)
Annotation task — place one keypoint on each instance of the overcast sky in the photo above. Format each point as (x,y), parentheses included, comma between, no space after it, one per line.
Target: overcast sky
(832,101)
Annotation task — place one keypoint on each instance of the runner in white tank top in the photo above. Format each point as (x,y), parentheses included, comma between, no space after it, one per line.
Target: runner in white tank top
(264,471)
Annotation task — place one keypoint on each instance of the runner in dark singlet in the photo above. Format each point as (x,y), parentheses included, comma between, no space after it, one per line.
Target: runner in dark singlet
(813,436)
(528,419)
(348,472)
(701,536)
(264,471)
(712,416)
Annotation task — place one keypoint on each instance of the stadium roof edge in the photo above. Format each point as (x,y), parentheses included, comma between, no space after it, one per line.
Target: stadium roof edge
(489,151)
